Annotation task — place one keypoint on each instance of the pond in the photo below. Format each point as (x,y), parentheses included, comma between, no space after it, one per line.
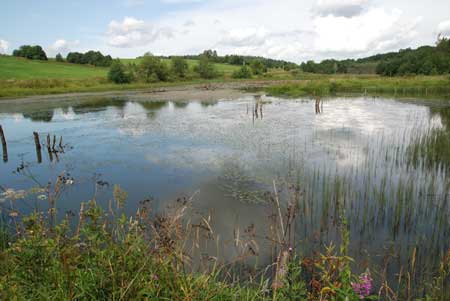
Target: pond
(378,161)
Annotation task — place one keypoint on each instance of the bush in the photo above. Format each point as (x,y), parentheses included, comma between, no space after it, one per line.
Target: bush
(243,72)
(152,69)
(31,52)
(258,67)
(206,68)
(117,73)
(59,58)
(179,66)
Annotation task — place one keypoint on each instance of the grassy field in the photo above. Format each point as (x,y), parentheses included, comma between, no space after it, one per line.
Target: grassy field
(21,77)
(23,69)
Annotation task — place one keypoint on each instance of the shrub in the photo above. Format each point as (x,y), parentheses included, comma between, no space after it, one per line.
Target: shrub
(59,58)
(152,69)
(117,73)
(206,68)
(179,66)
(258,67)
(243,72)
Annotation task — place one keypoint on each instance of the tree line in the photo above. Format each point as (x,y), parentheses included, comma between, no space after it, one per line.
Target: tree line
(95,58)
(425,60)
(31,52)
(240,60)
(154,69)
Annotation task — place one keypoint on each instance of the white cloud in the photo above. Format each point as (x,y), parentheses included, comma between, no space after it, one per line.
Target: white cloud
(284,30)
(189,23)
(376,30)
(444,28)
(62,46)
(132,32)
(245,37)
(340,8)
(4,46)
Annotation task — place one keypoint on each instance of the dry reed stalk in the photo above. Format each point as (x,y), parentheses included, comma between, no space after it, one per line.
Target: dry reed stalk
(81,219)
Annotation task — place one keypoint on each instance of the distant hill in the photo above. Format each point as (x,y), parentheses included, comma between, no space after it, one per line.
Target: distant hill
(425,60)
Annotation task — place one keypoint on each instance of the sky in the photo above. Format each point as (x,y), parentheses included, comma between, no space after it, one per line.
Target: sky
(293,30)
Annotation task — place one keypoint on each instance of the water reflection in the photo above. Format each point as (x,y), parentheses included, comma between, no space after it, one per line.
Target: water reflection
(43,116)
(153,107)
(319,106)
(180,104)
(98,104)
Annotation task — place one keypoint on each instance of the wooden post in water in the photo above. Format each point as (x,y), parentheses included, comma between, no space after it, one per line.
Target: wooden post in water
(37,143)
(49,150)
(54,143)
(4,145)
(317,105)
(261,110)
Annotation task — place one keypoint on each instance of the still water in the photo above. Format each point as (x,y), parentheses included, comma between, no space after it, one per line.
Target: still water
(226,156)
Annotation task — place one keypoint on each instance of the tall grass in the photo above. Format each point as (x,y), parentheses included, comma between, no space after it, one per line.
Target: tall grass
(103,254)
(373,85)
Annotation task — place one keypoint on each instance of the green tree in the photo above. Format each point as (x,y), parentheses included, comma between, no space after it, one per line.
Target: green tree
(179,66)
(206,69)
(243,72)
(152,69)
(31,52)
(117,73)
(258,67)
(59,58)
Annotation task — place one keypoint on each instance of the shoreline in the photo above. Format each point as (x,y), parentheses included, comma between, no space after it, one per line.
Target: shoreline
(123,90)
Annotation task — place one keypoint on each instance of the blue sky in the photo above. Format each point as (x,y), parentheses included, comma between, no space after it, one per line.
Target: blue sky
(294,30)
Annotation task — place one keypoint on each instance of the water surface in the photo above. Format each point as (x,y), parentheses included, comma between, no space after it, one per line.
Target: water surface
(226,156)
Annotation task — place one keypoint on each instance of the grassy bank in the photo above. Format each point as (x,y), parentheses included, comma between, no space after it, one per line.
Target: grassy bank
(322,85)
(21,77)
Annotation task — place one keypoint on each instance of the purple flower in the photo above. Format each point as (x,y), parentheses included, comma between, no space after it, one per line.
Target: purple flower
(364,286)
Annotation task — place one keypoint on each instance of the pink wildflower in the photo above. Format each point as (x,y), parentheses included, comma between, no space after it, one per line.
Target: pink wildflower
(364,286)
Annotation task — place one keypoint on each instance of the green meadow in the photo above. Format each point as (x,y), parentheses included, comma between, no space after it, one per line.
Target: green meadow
(23,69)
(22,77)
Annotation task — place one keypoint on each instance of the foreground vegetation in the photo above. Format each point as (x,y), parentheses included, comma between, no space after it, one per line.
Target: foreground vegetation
(106,255)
